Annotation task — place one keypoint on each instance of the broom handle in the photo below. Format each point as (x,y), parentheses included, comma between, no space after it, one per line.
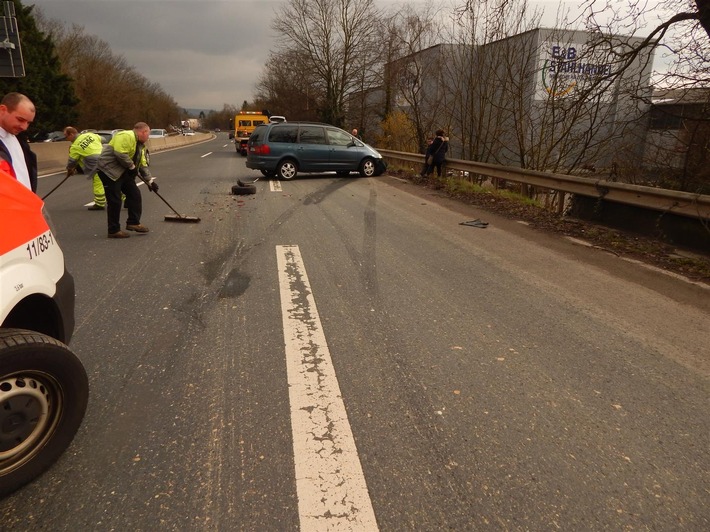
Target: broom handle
(158,194)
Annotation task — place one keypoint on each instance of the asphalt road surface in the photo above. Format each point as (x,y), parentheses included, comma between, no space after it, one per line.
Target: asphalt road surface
(342,354)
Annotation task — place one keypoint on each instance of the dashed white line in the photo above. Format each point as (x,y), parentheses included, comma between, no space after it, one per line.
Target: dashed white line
(330,484)
(205,155)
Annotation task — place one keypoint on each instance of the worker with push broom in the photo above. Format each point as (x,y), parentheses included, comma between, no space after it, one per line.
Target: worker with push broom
(121,161)
(84,153)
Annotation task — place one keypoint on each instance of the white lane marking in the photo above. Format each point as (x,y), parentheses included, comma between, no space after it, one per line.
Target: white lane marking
(275,186)
(331,488)
(205,155)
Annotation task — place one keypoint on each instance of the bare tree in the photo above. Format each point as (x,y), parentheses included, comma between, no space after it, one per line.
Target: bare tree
(677,156)
(288,87)
(331,36)
(479,89)
(414,73)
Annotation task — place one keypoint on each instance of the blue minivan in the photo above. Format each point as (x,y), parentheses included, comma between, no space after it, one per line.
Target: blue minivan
(284,149)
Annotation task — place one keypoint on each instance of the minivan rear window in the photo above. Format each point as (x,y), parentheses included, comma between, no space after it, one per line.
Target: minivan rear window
(258,134)
(283,134)
(312,135)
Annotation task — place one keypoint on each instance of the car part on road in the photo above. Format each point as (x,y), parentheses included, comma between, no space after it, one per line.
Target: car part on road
(243,190)
(475,223)
(177,217)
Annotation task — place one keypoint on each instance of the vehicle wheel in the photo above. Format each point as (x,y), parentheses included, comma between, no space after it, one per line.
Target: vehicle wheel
(367,168)
(243,190)
(268,173)
(343,173)
(44,391)
(287,169)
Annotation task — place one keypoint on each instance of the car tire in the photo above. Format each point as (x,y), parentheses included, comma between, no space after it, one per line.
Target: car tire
(367,168)
(44,391)
(287,169)
(243,190)
(268,173)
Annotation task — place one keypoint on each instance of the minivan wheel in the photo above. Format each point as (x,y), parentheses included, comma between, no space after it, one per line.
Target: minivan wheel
(44,391)
(287,169)
(367,168)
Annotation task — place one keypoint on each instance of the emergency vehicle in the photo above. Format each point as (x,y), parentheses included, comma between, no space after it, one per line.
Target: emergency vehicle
(44,388)
(244,124)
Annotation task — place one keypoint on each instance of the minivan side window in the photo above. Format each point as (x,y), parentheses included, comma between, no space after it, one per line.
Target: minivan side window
(312,135)
(337,137)
(283,134)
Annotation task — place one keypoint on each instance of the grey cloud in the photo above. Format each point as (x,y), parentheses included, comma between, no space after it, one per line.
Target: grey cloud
(204,53)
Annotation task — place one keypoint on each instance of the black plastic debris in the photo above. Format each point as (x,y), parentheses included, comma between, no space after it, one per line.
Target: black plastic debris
(476,223)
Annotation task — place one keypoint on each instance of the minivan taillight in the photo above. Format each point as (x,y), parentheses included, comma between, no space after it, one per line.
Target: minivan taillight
(261,149)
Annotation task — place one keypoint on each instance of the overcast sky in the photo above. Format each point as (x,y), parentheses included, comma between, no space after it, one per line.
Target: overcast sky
(204,53)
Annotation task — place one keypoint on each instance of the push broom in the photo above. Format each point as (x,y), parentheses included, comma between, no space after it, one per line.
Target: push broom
(177,217)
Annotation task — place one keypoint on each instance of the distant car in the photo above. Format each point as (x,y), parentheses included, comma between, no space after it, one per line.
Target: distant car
(284,149)
(55,136)
(157,134)
(107,134)
(188,132)
(45,136)
(276,119)
(217,130)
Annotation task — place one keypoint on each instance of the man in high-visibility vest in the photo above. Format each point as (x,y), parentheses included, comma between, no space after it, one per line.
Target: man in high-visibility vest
(84,152)
(120,162)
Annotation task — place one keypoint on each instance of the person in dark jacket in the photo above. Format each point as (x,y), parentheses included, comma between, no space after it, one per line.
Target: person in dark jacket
(16,114)
(436,153)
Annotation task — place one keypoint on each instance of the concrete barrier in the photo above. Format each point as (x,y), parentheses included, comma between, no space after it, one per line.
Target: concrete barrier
(52,156)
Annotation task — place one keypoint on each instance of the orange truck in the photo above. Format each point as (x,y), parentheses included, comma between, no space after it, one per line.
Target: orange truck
(244,124)
(44,388)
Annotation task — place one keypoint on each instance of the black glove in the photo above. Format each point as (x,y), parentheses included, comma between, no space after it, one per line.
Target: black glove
(153,186)
(132,172)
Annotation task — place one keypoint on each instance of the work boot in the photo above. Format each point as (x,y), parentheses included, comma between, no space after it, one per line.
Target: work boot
(137,228)
(118,234)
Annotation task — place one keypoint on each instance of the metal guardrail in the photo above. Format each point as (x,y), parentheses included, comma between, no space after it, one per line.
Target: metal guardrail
(673,201)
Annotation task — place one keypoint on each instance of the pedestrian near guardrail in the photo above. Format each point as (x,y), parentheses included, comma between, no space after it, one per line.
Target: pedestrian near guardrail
(436,153)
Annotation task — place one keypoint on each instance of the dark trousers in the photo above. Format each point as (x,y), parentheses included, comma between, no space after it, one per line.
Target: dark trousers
(125,184)
(429,168)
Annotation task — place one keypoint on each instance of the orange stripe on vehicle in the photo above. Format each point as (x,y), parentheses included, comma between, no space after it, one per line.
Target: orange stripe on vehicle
(20,218)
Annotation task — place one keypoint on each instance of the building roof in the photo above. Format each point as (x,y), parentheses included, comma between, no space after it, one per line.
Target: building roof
(695,95)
